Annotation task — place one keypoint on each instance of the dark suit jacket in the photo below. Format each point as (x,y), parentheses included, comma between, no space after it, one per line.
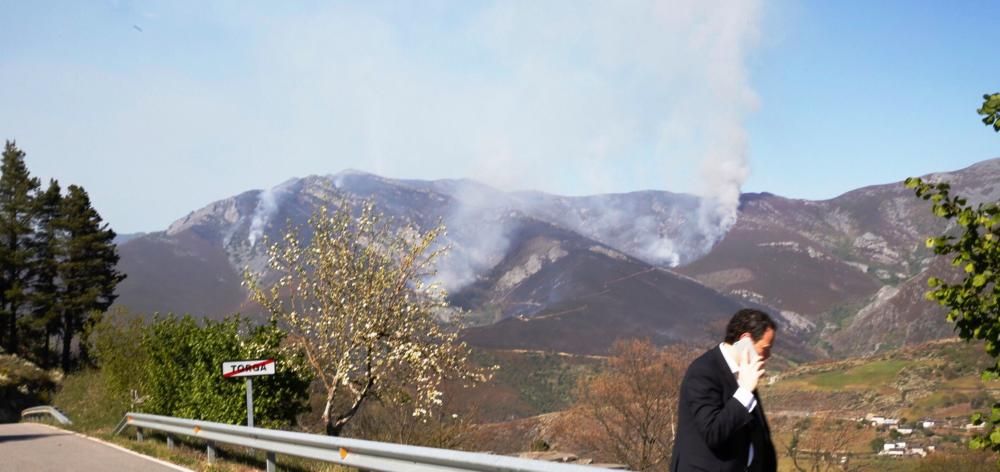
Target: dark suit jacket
(714,430)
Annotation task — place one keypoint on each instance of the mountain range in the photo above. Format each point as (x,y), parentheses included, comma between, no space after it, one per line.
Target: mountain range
(843,276)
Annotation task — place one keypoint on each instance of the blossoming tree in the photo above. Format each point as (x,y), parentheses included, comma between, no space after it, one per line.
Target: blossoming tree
(359,301)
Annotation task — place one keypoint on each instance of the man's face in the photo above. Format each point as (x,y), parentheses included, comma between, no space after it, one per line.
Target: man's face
(763,345)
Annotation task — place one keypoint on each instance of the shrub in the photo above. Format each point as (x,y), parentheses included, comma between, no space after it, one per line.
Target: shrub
(22,385)
(172,366)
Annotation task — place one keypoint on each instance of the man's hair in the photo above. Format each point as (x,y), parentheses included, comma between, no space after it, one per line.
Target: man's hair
(751,321)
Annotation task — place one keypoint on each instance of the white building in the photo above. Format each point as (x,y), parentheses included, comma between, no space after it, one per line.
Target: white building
(882,421)
(893,446)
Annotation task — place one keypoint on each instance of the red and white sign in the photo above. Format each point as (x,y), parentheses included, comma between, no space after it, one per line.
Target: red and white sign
(247,368)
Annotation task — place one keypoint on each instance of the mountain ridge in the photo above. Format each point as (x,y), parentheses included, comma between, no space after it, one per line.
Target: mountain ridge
(814,264)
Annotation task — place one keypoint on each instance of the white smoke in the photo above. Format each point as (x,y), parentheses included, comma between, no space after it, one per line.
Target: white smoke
(571,97)
(724,174)
(654,246)
(629,225)
(268,202)
(725,165)
(478,230)
(672,72)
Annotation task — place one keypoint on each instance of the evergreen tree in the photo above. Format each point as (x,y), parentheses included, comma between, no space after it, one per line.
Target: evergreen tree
(87,272)
(47,253)
(16,189)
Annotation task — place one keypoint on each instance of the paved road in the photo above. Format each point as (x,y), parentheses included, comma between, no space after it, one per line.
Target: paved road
(41,448)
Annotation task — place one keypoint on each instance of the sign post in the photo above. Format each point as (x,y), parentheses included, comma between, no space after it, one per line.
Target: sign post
(250,402)
(248,369)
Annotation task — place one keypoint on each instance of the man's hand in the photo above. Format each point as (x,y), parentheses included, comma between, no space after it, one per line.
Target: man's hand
(751,369)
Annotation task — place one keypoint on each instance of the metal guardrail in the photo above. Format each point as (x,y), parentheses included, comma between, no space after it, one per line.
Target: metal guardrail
(360,454)
(46,410)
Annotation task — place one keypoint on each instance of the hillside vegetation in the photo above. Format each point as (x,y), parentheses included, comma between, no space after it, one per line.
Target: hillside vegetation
(22,385)
(937,379)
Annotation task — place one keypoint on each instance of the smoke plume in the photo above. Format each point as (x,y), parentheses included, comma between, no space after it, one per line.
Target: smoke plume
(268,203)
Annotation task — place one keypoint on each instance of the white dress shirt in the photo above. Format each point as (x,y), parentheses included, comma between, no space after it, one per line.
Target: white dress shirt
(742,395)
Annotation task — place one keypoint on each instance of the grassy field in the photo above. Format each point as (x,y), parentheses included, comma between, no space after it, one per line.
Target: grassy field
(938,381)
(938,374)
(862,376)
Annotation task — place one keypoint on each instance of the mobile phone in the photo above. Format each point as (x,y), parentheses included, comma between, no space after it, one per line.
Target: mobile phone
(745,346)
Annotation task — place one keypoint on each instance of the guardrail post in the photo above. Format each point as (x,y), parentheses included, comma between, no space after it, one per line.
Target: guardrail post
(138,434)
(170,441)
(272,463)
(210,451)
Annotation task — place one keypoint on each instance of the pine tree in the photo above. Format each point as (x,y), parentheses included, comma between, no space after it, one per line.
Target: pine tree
(47,253)
(16,189)
(87,272)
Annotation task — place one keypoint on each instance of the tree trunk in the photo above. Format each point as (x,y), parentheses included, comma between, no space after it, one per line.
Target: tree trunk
(335,426)
(67,338)
(12,327)
(11,336)
(332,429)
(46,353)
(11,276)
(84,352)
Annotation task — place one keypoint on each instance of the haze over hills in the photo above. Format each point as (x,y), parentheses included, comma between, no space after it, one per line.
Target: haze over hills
(546,272)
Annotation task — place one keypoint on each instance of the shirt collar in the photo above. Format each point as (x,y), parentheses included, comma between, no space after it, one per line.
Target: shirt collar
(726,350)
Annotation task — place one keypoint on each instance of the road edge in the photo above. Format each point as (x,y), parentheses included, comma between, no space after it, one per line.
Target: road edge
(120,448)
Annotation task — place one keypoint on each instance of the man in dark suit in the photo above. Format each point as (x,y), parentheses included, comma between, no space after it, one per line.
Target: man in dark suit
(720,422)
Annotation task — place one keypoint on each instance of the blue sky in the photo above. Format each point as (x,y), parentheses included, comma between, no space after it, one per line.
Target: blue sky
(209,99)
(859,93)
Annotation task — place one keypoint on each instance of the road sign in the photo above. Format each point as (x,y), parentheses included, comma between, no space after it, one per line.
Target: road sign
(247,368)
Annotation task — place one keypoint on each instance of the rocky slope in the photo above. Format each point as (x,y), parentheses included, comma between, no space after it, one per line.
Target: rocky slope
(542,271)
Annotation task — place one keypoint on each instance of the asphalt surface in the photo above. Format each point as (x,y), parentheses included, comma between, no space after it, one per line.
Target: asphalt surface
(41,448)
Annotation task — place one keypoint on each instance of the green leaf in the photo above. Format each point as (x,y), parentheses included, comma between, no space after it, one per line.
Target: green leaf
(979,280)
(965,218)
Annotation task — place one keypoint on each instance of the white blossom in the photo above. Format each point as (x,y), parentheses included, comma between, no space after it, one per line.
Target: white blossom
(355,301)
